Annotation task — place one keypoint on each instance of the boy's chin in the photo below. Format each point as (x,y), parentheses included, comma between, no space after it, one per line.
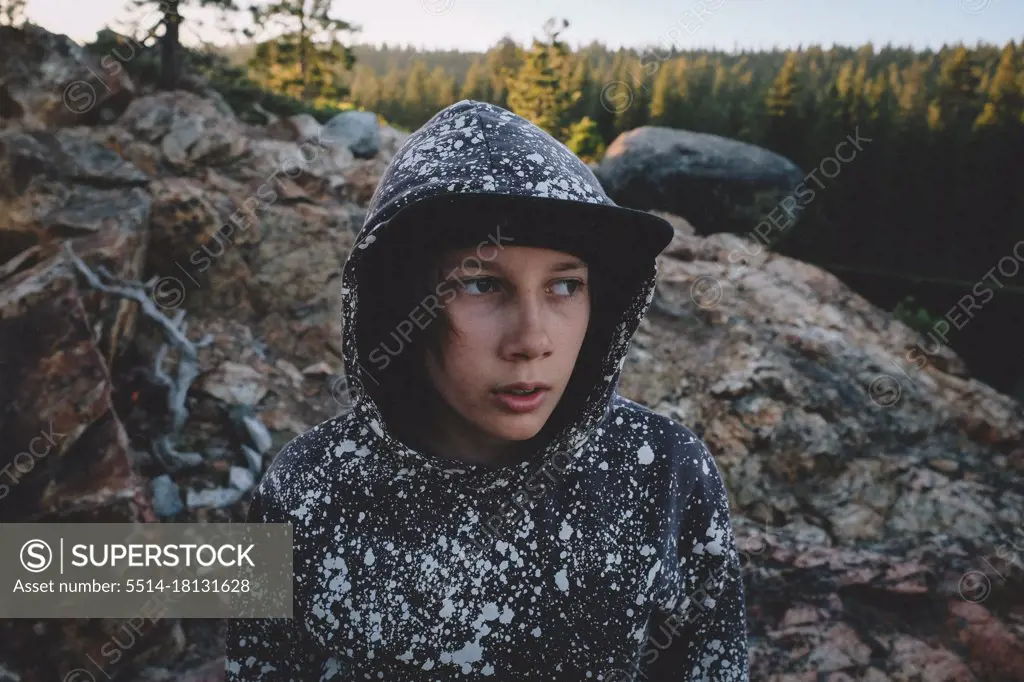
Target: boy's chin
(520,427)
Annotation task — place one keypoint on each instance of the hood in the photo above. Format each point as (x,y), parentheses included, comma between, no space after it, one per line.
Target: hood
(479,157)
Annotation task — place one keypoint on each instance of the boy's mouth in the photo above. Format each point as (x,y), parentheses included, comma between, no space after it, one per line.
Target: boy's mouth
(521,398)
(522,388)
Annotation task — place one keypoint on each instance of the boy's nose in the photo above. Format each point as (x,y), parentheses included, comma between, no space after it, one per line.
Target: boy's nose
(528,336)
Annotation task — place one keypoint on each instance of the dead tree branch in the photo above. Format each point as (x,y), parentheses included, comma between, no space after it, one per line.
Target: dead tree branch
(188,361)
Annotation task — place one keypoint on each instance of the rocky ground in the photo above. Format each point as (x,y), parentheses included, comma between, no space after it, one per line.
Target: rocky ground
(878,491)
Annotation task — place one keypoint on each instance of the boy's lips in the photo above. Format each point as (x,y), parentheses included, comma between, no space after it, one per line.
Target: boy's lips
(521,403)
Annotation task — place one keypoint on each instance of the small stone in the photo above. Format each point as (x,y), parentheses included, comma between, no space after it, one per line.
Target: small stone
(945,465)
(258,433)
(254,459)
(320,369)
(291,371)
(216,497)
(241,478)
(166,497)
(235,384)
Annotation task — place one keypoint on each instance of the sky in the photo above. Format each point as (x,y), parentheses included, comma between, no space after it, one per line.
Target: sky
(725,24)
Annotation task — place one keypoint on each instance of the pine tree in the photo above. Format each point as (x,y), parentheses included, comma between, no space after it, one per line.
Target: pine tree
(912,97)
(582,82)
(669,91)
(417,103)
(701,95)
(392,92)
(477,85)
(1005,105)
(585,140)
(539,92)
(365,89)
(306,47)
(635,111)
(785,124)
(879,100)
(955,105)
(441,87)
(503,62)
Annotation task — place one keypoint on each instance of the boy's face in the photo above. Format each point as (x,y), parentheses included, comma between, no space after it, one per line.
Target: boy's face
(519,317)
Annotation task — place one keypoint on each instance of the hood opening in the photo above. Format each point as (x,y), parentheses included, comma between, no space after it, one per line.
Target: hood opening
(391,283)
(473,167)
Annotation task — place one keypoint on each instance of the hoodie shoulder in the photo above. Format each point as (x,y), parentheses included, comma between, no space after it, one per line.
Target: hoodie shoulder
(683,451)
(310,459)
(641,416)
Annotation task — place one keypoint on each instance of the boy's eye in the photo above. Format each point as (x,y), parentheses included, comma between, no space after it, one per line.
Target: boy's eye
(472,284)
(573,285)
(479,286)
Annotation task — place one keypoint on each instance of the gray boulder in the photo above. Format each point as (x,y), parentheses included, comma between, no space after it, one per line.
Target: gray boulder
(357,130)
(718,184)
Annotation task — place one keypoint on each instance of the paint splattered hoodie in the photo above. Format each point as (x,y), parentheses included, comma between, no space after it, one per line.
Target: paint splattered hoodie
(607,555)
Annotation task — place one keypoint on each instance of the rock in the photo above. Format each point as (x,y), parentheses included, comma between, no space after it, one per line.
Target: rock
(320,369)
(187,129)
(57,333)
(867,492)
(292,371)
(235,384)
(715,183)
(291,171)
(48,80)
(218,102)
(298,128)
(253,459)
(166,497)
(56,184)
(994,646)
(306,127)
(215,497)
(359,131)
(183,220)
(241,478)
(282,420)
(55,386)
(258,434)
(770,343)
(361,179)
(298,263)
(391,140)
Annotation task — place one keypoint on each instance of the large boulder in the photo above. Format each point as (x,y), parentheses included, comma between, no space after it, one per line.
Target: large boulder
(718,184)
(65,455)
(57,336)
(357,130)
(49,80)
(876,486)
